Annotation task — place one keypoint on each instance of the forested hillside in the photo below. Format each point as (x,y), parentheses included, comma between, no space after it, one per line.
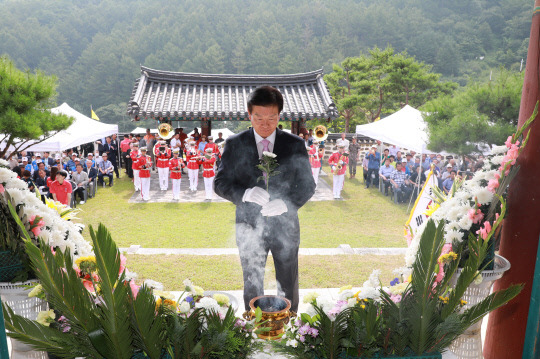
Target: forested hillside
(95,47)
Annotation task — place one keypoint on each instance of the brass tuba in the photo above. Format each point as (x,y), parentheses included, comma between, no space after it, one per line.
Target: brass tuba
(320,133)
(165,131)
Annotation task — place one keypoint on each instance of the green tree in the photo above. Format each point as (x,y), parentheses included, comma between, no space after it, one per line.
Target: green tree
(23,99)
(366,87)
(481,114)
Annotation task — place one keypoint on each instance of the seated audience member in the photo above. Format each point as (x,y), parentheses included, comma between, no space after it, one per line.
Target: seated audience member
(71,165)
(105,169)
(27,177)
(446,173)
(91,159)
(392,161)
(92,174)
(41,182)
(41,166)
(448,183)
(374,159)
(384,173)
(385,155)
(27,166)
(81,180)
(399,183)
(399,158)
(61,188)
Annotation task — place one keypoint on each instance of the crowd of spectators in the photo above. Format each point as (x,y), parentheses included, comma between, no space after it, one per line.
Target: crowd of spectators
(405,174)
(63,175)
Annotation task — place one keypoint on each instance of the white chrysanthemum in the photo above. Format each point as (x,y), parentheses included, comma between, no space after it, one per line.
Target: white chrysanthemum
(369,293)
(453,214)
(17,183)
(462,196)
(452,236)
(465,223)
(184,307)
(345,295)
(269,154)
(310,310)
(452,226)
(497,150)
(497,160)
(129,275)
(374,278)
(6,175)
(17,195)
(484,196)
(187,283)
(4,163)
(325,303)
(209,304)
(292,343)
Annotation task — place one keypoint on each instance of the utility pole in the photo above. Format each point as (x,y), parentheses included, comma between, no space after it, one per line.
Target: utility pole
(521,229)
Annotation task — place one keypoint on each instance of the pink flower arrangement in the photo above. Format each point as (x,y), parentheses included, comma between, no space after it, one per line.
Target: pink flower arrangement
(123,261)
(484,231)
(36,223)
(475,215)
(134,288)
(2,189)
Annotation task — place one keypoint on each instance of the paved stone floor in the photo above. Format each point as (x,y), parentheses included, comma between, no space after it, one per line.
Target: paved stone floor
(323,192)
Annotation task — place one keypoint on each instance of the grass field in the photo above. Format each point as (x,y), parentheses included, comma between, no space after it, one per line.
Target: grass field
(225,272)
(365,219)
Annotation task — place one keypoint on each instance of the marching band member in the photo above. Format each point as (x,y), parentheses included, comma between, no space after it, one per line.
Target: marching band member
(145,165)
(175,165)
(193,157)
(214,146)
(208,163)
(315,156)
(338,161)
(134,155)
(162,154)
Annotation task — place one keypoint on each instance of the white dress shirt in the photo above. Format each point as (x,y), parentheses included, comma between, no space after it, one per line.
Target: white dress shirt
(260,147)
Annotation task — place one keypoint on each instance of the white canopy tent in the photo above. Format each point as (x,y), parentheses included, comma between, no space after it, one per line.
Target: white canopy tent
(404,128)
(82,130)
(142,131)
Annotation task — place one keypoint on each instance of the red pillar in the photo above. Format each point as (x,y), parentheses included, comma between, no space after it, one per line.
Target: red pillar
(506,331)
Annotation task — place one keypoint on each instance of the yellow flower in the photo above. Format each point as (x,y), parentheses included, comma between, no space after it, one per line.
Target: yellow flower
(447,258)
(444,299)
(45,318)
(362,306)
(86,264)
(347,287)
(166,303)
(36,291)
(462,302)
(222,299)
(197,291)
(310,297)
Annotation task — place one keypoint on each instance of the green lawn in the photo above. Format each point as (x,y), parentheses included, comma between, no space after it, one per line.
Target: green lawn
(225,272)
(365,219)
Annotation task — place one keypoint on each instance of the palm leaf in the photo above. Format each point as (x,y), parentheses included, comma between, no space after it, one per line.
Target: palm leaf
(148,327)
(332,332)
(114,336)
(44,338)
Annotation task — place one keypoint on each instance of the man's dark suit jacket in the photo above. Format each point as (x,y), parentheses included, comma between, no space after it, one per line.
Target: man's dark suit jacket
(92,173)
(238,172)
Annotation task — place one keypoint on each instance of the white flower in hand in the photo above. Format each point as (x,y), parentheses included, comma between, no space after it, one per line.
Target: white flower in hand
(269,154)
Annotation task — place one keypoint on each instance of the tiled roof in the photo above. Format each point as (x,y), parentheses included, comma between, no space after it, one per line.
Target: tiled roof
(191,96)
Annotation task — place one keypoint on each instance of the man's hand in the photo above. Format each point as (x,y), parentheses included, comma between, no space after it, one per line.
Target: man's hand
(256,195)
(274,208)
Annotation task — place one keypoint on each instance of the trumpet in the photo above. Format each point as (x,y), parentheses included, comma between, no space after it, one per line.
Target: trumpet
(320,133)
(165,131)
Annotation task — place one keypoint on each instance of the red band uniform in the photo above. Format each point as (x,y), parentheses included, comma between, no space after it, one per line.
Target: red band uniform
(162,164)
(336,160)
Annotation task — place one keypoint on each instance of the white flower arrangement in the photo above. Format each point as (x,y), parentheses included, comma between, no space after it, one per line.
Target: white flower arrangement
(56,232)
(269,154)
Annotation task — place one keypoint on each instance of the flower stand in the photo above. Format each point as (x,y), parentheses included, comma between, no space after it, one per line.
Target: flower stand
(16,296)
(469,344)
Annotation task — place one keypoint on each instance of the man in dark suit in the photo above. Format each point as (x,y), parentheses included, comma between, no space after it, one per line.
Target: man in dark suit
(266,221)
(110,149)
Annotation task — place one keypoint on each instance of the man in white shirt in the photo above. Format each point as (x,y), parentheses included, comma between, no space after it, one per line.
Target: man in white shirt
(343,142)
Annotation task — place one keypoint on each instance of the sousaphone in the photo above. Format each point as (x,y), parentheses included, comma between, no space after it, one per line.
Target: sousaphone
(165,131)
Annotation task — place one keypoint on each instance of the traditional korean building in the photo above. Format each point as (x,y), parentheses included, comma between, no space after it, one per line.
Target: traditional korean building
(178,96)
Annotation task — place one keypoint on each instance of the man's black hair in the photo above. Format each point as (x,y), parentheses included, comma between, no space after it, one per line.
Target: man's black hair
(62,173)
(265,96)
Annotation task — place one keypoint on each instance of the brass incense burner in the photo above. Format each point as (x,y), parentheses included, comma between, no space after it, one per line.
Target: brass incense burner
(275,313)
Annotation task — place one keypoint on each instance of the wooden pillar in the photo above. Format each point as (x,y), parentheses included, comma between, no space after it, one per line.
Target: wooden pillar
(206,127)
(521,229)
(294,127)
(302,125)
